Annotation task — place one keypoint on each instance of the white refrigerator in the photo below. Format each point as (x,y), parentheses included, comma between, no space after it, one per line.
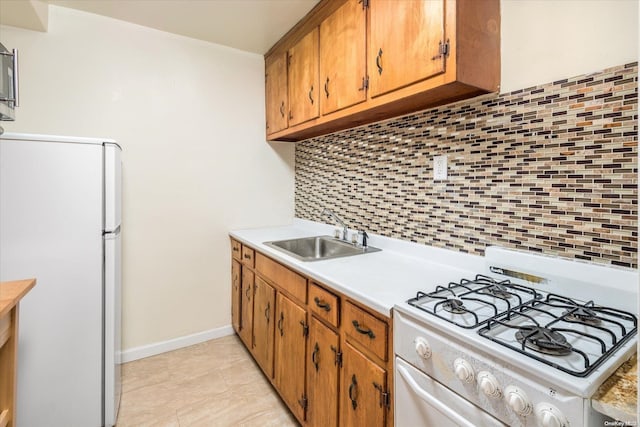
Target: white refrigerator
(60,215)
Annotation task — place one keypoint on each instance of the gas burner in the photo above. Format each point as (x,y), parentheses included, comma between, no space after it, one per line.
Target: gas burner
(543,340)
(454,305)
(582,314)
(497,290)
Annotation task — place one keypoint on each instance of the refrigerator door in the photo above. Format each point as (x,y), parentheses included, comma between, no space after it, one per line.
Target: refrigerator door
(113,328)
(51,219)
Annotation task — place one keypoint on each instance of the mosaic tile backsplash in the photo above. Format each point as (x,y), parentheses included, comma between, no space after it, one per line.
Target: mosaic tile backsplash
(551,169)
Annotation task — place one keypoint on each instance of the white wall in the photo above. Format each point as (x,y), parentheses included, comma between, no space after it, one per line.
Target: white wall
(190,118)
(548,40)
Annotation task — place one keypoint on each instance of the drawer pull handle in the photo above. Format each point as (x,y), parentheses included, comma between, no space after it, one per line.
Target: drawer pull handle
(235,249)
(280,324)
(314,356)
(363,331)
(247,256)
(353,392)
(322,304)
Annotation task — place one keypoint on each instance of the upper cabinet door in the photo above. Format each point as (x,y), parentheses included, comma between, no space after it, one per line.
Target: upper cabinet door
(303,79)
(343,57)
(404,43)
(276,93)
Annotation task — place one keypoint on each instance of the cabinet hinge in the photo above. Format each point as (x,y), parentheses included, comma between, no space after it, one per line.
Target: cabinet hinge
(305,328)
(289,59)
(338,356)
(443,50)
(303,402)
(384,396)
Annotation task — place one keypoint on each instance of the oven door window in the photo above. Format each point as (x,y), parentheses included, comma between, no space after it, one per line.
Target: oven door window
(420,400)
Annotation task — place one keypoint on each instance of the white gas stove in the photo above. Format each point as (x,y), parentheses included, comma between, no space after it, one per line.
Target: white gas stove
(527,342)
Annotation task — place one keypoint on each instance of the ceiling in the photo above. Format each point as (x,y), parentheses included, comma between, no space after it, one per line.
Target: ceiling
(249,25)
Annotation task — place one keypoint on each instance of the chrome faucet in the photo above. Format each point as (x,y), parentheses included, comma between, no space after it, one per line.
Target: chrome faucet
(337,219)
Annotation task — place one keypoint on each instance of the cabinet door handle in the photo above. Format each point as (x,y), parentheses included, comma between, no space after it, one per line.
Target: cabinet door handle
(280,323)
(363,331)
(282,109)
(322,304)
(326,87)
(267,311)
(353,392)
(378,61)
(248,293)
(315,355)
(311,94)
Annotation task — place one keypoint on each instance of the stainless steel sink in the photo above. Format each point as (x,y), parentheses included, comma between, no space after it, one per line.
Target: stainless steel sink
(317,248)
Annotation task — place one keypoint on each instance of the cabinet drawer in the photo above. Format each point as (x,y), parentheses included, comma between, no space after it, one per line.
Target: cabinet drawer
(289,281)
(236,249)
(248,256)
(325,304)
(5,328)
(366,329)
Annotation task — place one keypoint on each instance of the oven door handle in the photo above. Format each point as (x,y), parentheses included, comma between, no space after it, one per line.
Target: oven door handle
(453,415)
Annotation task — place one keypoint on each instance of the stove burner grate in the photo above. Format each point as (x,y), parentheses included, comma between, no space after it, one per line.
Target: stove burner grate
(543,340)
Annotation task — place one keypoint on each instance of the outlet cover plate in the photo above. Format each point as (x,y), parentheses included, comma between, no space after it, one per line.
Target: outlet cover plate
(440,167)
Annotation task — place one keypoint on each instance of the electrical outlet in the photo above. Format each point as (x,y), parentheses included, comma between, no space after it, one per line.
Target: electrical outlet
(440,167)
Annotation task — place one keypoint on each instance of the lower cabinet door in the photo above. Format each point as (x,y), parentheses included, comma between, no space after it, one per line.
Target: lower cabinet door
(263,313)
(363,391)
(322,375)
(291,334)
(236,294)
(246,313)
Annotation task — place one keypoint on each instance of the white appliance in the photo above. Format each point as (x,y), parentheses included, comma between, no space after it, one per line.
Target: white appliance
(60,217)
(526,343)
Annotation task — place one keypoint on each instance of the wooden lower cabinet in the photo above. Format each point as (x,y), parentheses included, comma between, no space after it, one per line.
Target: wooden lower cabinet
(323,371)
(264,307)
(363,393)
(236,294)
(246,316)
(329,357)
(290,345)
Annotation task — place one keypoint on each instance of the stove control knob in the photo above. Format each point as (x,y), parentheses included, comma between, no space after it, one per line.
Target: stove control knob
(489,384)
(463,370)
(550,416)
(517,400)
(423,348)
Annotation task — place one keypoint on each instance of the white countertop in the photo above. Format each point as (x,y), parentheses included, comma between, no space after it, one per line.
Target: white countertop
(378,280)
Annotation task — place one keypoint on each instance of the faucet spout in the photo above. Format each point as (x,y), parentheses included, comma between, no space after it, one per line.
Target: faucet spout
(337,219)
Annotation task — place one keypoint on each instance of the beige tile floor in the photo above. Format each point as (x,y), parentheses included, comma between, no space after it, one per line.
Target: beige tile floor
(215,383)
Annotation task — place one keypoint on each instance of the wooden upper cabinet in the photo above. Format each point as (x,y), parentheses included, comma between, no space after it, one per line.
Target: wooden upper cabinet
(303,79)
(343,50)
(277,105)
(406,43)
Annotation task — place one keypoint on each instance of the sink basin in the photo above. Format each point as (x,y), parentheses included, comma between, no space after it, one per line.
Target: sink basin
(317,248)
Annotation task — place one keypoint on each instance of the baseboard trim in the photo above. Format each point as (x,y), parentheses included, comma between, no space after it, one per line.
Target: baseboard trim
(174,344)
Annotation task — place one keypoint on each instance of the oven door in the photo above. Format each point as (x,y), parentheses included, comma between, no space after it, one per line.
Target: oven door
(420,400)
